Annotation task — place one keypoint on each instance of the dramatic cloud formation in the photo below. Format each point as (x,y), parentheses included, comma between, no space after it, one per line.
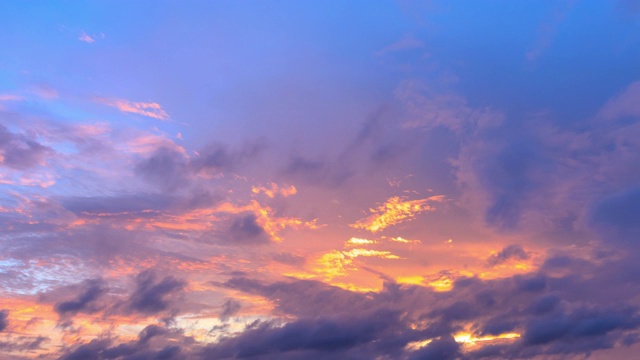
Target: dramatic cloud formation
(309,180)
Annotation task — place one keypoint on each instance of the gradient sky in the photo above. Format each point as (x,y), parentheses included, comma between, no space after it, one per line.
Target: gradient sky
(319,180)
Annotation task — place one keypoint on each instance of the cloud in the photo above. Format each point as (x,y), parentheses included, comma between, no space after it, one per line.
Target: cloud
(19,151)
(153,343)
(229,308)
(310,338)
(166,167)
(170,168)
(408,43)
(11,97)
(153,296)
(444,348)
(84,37)
(395,211)
(625,104)
(617,217)
(289,259)
(91,291)
(274,190)
(4,314)
(23,344)
(217,158)
(509,252)
(581,323)
(150,109)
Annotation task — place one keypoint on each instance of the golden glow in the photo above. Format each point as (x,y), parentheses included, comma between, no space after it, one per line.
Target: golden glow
(415,345)
(413,280)
(441,284)
(468,339)
(394,211)
(337,263)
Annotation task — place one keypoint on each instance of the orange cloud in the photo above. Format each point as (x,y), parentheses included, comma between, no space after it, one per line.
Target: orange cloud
(271,224)
(86,38)
(338,263)
(354,241)
(395,211)
(150,109)
(273,190)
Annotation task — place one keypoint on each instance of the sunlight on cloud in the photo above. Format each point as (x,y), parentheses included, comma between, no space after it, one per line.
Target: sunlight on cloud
(395,211)
(273,189)
(148,109)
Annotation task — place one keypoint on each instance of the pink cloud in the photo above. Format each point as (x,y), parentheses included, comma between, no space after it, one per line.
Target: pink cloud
(626,103)
(148,109)
(86,38)
(10,97)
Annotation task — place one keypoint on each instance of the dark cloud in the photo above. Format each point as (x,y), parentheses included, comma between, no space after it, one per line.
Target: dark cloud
(511,176)
(509,252)
(617,217)
(244,229)
(229,308)
(168,168)
(23,344)
(304,338)
(20,152)
(581,323)
(171,169)
(152,295)
(444,348)
(153,343)
(318,172)
(218,158)
(85,301)
(289,259)
(4,314)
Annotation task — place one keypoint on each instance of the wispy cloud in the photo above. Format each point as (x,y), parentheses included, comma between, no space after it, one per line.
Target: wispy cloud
(148,109)
(84,37)
(10,97)
(407,43)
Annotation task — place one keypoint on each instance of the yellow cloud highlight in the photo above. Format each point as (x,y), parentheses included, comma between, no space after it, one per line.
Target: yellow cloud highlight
(273,190)
(354,241)
(404,241)
(411,280)
(271,224)
(338,263)
(149,109)
(468,339)
(395,211)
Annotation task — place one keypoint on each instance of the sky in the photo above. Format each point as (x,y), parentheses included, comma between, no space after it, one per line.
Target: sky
(319,180)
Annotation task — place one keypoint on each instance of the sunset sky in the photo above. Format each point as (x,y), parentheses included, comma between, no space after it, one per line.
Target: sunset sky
(388,180)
